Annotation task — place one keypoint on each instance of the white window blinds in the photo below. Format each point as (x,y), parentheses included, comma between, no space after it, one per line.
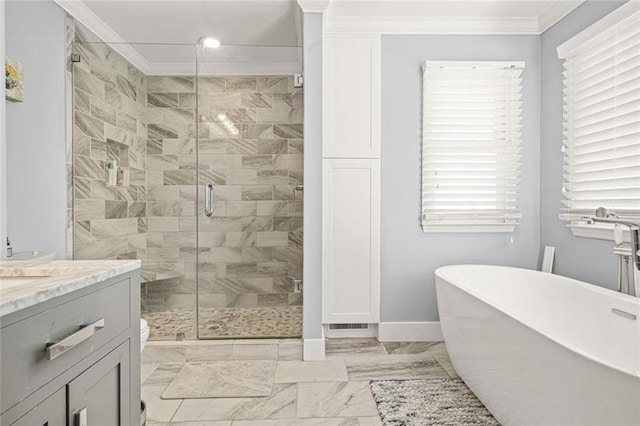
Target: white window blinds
(471,137)
(602,119)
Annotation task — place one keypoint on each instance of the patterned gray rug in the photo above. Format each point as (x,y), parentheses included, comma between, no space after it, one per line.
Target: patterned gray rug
(429,402)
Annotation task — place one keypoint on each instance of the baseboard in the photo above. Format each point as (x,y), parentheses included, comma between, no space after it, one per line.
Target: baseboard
(313,349)
(410,332)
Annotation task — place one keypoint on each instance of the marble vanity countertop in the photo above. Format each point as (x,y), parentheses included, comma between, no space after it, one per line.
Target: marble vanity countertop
(27,283)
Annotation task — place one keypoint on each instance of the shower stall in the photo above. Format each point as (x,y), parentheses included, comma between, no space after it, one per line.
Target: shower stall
(196,173)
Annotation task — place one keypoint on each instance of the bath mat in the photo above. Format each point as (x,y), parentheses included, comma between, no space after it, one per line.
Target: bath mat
(429,402)
(222,379)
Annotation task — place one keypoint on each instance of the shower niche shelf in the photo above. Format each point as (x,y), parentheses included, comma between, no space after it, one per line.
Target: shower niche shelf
(117,172)
(122,177)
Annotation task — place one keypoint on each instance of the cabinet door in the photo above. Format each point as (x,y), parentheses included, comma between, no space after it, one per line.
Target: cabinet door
(351,241)
(50,412)
(100,395)
(351,85)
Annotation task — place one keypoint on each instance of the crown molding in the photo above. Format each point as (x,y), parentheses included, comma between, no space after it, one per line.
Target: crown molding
(423,25)
(89,19)
(313,6)
(555,13)
(412,20)
(217,69)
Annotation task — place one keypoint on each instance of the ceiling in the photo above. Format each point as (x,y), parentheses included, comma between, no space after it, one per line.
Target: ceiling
(265,36)
(161,36)
(233,22)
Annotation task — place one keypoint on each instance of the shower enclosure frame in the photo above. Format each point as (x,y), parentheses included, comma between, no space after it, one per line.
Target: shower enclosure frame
(280,92)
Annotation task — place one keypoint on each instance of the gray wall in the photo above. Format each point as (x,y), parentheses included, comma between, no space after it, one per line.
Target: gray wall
(312,246)
(36,173)
(409,256)
(584,259)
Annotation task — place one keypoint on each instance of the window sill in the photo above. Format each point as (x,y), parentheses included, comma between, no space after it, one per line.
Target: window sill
(466,229)
(597,231)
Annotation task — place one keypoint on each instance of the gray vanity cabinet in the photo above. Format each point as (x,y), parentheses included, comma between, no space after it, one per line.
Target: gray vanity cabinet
(51,412)
(99,396)
(74,360)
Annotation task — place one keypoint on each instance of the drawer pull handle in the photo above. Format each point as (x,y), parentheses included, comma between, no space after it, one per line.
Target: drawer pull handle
(54,350)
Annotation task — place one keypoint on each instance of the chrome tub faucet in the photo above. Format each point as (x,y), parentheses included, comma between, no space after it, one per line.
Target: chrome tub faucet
(632,287)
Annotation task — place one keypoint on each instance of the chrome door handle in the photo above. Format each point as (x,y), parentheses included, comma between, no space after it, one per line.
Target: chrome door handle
(208,200)
(54,350)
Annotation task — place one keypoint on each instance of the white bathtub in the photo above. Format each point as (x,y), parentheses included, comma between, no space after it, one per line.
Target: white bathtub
(541,349)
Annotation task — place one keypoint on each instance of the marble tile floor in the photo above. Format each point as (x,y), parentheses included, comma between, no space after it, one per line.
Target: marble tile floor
(250,378)
(254,322)
(334,392)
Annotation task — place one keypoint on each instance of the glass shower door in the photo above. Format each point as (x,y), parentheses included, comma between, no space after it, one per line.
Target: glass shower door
(250,169)
(134,173)
(171,265)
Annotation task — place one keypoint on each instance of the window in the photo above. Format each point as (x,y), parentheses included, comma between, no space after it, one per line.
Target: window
(471,136)
(602,117)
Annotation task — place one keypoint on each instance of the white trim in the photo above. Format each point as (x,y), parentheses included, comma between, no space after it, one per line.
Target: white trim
(419,23)
(434,229)
(430,25)
(241,68)
(313,349)
(547,259)
(313,6)
(604,24)
(89,19)
(465,65)
(410,332)
(597,231)
(299,28)
(554,13)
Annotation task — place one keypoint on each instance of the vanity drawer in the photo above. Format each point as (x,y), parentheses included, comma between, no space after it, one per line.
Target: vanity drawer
(25,362)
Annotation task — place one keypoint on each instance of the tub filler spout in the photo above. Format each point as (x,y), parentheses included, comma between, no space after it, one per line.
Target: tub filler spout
(633,285)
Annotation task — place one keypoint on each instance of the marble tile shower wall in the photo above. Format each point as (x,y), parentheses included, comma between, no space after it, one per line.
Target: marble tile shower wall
(171,199)
(250,149)
(109,124)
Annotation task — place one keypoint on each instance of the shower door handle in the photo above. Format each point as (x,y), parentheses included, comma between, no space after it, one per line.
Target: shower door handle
(208,200)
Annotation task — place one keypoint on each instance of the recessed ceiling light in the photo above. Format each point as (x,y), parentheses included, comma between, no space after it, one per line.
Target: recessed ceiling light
(210,42)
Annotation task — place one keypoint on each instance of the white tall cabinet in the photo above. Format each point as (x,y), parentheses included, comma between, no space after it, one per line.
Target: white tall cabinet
(351,178)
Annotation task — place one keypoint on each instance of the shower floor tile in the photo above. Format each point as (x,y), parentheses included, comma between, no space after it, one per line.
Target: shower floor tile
(285,321)
(226,323)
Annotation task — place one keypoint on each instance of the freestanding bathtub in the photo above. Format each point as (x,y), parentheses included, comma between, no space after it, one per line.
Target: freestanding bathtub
(541,349)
